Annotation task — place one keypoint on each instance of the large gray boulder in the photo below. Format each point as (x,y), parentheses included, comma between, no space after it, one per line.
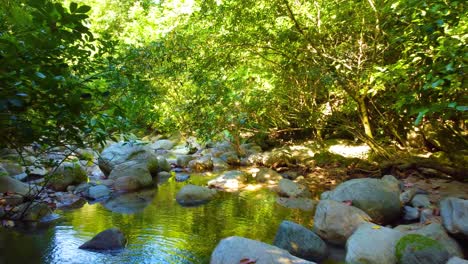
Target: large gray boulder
(266,175)
(165,144)
(68,173)
(183,160)
(372,243)
(435,231)
(191,195)
(335,222)
(118,153)
(300,242)
(378,198)
(454,212)
(457,260)
(289,188)
(130,176)
(229,180)
(110,239)
(130,203)
(234,250)
(418,249)
(9,184)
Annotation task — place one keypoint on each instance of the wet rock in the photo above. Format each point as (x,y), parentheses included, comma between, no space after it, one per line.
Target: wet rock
(8,184)
(372,243)
(109,239)
(232,250)
(130,203)
(410,213)
(418,249)
(335,222)
(454,212)
(421,201)
(376,197)
(191,195)
(30,211)
(303,204)
(300,242)
(289,188)
(229,180)
(66,174)
(201,164)
(267,175)
(98,192)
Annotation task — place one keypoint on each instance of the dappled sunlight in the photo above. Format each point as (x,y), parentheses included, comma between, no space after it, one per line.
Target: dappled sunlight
(350,151)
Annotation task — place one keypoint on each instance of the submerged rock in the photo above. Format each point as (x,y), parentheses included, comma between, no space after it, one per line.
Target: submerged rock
(109,239)
(234,250)
(130,203)
(300,241)
(191,195)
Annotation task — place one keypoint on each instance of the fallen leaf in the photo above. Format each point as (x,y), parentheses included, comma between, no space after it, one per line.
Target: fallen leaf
(376,227)
(247,261)
(348,202)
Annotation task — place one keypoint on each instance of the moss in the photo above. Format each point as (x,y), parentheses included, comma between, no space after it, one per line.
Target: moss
(416,243)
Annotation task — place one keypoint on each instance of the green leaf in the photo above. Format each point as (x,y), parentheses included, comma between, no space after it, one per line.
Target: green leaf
(73,7)
(40,75)
(83,9)
(420,116)
(462,108)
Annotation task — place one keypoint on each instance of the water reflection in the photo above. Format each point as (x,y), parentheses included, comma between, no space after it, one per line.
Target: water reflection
(158,229)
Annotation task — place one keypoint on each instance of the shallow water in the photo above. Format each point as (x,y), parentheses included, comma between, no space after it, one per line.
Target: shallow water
(158,229)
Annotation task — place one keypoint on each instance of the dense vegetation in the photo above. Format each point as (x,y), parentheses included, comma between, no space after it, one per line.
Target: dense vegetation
(376,70)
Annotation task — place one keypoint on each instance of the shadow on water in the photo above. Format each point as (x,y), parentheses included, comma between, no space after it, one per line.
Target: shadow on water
(158,229)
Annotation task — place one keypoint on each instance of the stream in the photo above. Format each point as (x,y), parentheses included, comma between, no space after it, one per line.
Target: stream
(158,229)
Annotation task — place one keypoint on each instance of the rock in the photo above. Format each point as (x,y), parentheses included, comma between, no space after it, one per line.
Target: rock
(325,195)
(410,213)
(201,164)
(232,250)
(181,150)
(457,260)
(69,201)
(277,158)
(414,249)
(335,221)
(68,173)
(421,201)
(30,211)
(230,158)
(300,242)
(36,171)
(130,203)
(390,179)
(118,153)
(191,195)
(183,160)
(3,172)
(427,216)
(376,197)
(454,212)
(109,239)
(291,189)
(292,175)
(11,168)
(163,164)
(181,177)
(71,188)
(162,144)
(8,184)
(13,199)
(163,176)
(407,196)
(219,164)
(98,192)
(130,176)
(21,177)
(372,243)
(267,175)
(303,204)
(436,232)
(229,180)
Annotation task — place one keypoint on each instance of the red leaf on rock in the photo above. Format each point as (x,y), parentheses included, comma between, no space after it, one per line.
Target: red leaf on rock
(247,261)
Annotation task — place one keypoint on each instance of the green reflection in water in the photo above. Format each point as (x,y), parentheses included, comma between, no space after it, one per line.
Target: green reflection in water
(160,231)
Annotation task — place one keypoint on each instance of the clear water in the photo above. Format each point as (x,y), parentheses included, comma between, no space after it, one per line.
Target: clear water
(158,229)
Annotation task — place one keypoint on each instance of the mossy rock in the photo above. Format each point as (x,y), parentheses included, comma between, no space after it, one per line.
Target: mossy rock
(415,248)
(67,174)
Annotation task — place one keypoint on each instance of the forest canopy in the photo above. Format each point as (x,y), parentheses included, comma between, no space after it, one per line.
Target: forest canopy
(83,71)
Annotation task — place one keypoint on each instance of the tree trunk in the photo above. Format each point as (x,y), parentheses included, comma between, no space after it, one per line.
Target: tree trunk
(364,116)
